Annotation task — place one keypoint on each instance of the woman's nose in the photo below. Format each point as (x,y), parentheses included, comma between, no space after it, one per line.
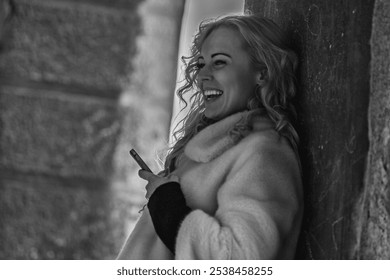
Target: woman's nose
(204,74)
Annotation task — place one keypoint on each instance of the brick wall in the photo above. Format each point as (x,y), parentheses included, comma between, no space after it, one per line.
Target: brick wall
(74,83)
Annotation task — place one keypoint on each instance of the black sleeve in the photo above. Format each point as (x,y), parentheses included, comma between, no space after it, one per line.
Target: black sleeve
(168,208)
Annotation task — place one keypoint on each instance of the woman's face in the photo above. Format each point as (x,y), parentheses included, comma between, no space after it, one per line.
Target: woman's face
(227,79)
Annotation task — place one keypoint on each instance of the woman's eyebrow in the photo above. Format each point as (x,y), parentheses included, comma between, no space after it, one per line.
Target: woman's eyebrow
(225,54)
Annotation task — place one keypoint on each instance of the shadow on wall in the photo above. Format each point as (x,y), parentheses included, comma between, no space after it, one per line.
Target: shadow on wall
(73,75)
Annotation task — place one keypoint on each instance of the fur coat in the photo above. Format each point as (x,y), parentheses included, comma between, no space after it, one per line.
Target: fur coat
(245,192)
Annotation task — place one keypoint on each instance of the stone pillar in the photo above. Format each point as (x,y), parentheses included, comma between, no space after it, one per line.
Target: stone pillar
(344,54)
(374,215)
(67,68)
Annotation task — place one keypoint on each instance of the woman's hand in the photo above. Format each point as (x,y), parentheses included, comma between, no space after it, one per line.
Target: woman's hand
(154,181)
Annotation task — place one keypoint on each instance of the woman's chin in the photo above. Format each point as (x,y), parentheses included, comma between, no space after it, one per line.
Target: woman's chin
(212,116)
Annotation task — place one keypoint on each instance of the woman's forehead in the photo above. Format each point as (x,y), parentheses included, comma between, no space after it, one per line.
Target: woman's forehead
(222,39)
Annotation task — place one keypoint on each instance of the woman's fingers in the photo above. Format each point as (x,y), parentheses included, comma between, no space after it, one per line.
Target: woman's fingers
(154,181)
(147,188)
(151,187)
(146,175)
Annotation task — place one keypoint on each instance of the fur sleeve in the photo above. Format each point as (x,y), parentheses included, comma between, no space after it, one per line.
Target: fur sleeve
(259,209)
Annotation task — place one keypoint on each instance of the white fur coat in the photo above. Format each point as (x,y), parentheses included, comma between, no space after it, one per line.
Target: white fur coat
(246,196)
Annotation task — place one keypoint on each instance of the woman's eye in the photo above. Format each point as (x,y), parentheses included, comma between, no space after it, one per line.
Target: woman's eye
(219,62)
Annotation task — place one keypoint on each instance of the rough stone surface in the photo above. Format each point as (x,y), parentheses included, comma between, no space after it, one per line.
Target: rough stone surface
(124,5)
(332,39)
(55,133)
(45,217)
(76,82)
(67,45)
(375,207)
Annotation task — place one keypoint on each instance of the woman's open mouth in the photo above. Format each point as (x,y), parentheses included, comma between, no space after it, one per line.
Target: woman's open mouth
(212,94)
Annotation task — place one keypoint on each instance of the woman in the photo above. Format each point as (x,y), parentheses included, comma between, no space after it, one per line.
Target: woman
(231,187)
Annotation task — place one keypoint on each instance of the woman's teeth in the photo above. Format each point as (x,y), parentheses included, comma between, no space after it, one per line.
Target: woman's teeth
(210,94)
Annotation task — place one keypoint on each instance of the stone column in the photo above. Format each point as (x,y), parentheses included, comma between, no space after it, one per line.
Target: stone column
(75,78)
(343,106)
(374,214)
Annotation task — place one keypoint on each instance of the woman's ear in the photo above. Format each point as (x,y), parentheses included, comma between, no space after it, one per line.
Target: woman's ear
(262,77)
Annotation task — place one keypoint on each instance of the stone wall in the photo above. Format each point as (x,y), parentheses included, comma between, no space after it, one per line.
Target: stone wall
(76,78)
(374,214)
(344,55)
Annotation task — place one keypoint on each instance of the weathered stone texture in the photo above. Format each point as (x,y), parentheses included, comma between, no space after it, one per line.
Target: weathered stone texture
(123,5)
(375,209)
(332,39)
(56,133)
(76,79)
(52,218)
(69,45)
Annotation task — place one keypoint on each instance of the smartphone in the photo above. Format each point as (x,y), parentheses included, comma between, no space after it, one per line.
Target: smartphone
(139,160)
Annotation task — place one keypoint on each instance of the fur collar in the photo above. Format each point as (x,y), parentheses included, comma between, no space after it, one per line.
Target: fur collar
(218,137)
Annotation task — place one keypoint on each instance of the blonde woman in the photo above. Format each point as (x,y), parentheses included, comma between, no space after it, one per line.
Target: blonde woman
(231,187)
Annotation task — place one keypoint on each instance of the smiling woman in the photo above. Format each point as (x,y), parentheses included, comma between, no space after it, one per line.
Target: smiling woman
(226,76)
(231,187)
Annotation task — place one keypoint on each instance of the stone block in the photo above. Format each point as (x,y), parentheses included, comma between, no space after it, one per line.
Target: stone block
(56,133)
(116,4)
(46,217)
(67,44)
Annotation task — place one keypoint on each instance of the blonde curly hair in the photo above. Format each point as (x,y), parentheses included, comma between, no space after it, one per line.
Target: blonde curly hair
(267,47)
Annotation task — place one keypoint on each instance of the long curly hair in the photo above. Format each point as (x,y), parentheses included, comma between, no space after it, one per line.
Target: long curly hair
(268,50)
